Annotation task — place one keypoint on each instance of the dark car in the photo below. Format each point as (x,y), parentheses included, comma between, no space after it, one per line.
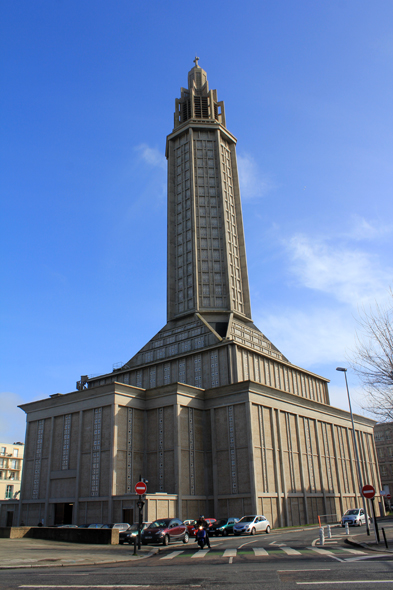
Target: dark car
(131,533)
(224,526)
(121,526)
(164,531)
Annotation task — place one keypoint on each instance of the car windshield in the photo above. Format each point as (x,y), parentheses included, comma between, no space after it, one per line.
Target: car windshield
(159,524)
(133,527)
(247,519)
(351,512)
(222,522)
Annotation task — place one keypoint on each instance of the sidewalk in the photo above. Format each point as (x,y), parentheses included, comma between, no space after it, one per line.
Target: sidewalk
(28,553)
(368,541)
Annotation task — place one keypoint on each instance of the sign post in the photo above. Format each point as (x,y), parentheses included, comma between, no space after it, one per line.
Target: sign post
(140,489)
(369,492)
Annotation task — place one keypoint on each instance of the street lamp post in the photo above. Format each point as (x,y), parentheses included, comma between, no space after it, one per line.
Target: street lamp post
(356,447)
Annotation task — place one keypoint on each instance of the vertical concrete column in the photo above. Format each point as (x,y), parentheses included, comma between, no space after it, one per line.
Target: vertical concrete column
(352,457)
(250,438)
(214,460)
(338,473)
(317,430)
(75,512)
(177,455)
(46,513)
(112,461)
(281,466)
(301,468)
(367,475)
(277,466)
(22,483)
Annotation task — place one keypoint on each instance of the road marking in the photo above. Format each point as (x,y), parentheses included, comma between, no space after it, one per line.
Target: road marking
(200,553)
(231,560)
(354,551)
(325,552)
(260,552)
(308,570)
(87,586)
(172,555)
(348,582)
(290,551)
(230,553)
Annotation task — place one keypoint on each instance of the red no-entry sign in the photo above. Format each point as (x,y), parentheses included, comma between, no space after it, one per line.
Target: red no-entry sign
(388,496)
(140,488)
(368,491)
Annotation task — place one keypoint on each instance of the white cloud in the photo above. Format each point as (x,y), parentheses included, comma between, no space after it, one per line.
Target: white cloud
(151,156)
(352,276)
(12,418)
(363,229)
(308,338)
(253,184)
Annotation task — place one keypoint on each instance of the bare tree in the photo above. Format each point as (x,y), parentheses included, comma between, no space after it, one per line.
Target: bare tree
(373,359)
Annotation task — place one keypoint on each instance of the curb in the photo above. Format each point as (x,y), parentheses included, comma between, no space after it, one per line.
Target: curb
(367,546)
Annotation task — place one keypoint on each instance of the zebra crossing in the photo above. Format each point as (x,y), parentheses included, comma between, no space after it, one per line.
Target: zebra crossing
(277,551)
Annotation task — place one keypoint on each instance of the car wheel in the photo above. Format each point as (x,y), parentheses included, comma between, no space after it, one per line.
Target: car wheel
(166,540)
(224,533)
(267,529)
(253,531)
(186,537)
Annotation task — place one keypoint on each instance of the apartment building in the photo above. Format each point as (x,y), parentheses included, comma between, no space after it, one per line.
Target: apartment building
(11,463)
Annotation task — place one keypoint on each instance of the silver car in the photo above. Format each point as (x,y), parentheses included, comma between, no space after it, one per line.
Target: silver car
(354,517)
(250,525)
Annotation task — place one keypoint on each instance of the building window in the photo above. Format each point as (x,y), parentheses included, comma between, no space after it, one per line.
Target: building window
(13,464)
(380,453)
(378,436)
(2,450)
(387,435)
(16,452)
(383,470)
(9,492)
(1,462)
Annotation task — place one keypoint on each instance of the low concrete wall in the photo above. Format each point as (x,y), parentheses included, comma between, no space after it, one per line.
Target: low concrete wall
(71,535)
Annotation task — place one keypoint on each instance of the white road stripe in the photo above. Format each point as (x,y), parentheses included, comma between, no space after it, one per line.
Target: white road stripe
(260,552)
(290,551)
(348,582)
(230,553)
(200,553)
(172,555)
(322,551)
(354,551)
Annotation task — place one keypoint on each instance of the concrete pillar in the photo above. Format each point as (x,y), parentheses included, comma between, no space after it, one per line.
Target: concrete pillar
(301,468)
(277,465)
(75,512)
(112,462)
(47,492)
(214,460)
(338,473)
(250,438)
(177,462)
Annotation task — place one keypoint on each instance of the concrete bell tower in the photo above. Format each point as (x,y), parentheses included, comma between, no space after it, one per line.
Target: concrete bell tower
(207,268)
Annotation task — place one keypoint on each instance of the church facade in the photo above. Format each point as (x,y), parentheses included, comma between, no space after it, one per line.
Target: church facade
(209,411)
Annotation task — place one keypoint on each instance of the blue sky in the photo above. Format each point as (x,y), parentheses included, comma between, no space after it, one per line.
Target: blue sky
(87,99)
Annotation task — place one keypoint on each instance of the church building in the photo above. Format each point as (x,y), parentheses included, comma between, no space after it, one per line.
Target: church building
(209,411)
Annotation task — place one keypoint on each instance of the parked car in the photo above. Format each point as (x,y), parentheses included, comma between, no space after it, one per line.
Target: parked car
(67,526)
(131,533)
(251,525)
(95,526)
(122,526)
(224,526)
(164,531)
(354,517)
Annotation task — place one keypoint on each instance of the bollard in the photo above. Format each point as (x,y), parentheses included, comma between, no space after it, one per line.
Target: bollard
(329,532)
(384,538)
(135,545)
(321,536)
(346,528)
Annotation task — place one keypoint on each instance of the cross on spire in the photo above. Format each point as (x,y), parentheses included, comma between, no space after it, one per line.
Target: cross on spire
(196,61)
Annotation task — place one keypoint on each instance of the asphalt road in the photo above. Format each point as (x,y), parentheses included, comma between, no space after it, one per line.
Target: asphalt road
(282,560)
